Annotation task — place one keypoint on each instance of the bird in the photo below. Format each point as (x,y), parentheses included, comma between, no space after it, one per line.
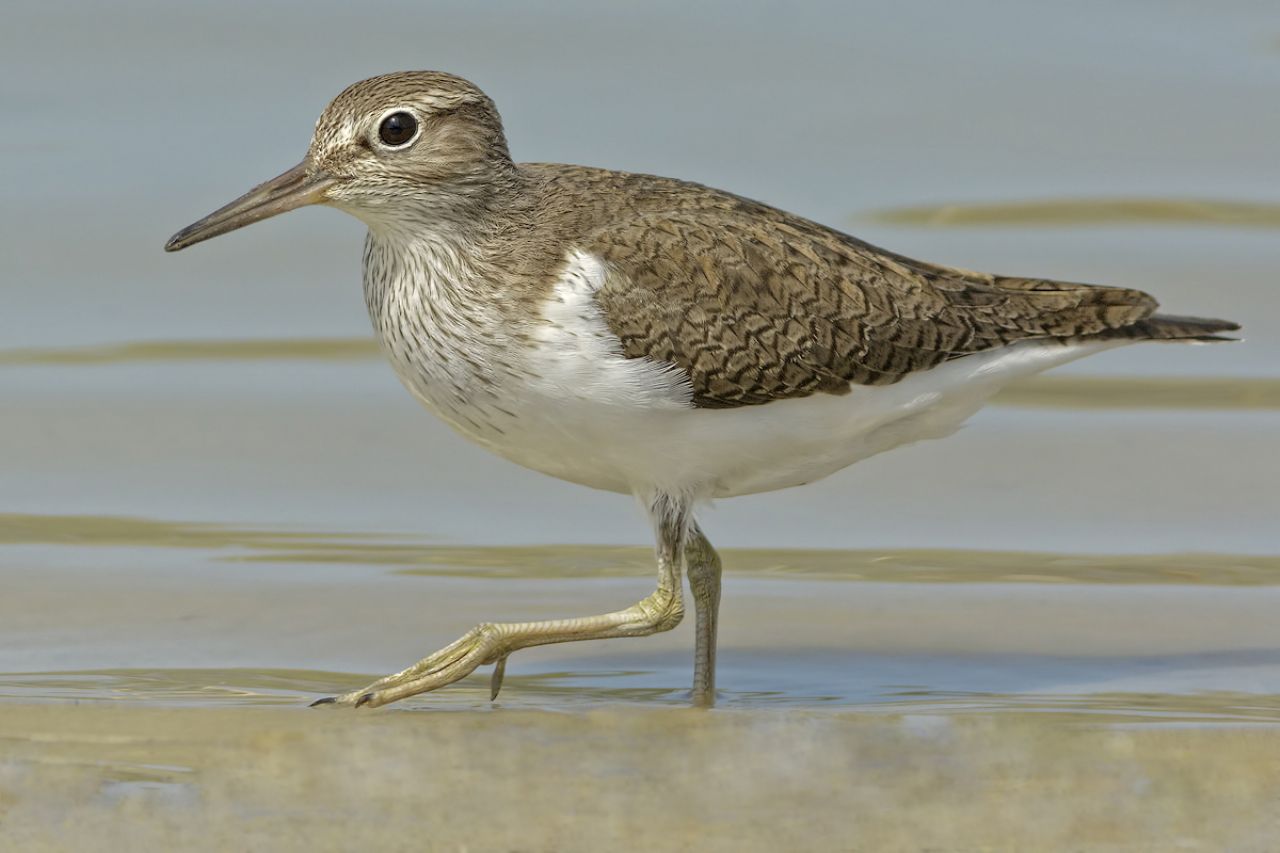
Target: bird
(652,336)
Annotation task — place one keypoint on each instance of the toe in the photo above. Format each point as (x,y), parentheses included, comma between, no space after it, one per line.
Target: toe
(495,682)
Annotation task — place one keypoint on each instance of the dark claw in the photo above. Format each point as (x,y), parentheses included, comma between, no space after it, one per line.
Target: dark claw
(364,700)
(328,700)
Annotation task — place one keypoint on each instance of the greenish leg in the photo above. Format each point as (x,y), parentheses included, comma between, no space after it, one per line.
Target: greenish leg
(493,642)
(702,564)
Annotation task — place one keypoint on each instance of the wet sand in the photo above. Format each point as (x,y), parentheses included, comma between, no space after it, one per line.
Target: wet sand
(100,777)
(1124,703)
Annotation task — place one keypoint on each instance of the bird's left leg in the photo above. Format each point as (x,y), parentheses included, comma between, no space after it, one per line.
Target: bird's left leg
(492,642)
(702,564)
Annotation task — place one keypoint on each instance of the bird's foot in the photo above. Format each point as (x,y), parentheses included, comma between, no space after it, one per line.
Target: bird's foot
(492,642)
(479,646)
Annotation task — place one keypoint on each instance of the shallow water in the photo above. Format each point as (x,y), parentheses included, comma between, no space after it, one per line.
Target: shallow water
(216,503)
(165,613)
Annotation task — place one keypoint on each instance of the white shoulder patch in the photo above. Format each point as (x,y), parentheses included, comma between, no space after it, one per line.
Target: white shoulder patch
(580,357)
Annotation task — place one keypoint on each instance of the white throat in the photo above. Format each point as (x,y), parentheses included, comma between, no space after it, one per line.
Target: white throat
(436,318)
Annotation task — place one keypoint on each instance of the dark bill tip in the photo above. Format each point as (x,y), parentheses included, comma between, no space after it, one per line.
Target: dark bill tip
(295,188)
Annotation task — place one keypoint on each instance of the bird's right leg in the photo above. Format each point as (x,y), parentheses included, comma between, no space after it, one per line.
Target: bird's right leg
(491,643)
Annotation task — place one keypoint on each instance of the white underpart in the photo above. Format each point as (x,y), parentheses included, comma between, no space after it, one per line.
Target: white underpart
(576,409)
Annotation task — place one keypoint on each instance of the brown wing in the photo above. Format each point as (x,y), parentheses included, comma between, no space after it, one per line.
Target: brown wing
(756,305)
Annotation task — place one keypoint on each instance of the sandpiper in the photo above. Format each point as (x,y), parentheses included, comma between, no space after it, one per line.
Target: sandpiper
(652,336)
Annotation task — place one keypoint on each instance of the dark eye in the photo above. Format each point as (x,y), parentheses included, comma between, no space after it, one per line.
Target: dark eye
(397,128)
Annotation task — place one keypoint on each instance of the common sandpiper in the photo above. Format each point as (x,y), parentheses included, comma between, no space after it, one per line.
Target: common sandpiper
(652,336)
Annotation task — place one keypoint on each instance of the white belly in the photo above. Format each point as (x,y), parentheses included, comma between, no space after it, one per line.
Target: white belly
(712,453)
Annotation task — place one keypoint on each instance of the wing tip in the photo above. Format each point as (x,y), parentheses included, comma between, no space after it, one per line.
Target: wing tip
(1170,327)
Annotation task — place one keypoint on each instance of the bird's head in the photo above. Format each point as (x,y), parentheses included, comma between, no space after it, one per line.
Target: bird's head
(415,148)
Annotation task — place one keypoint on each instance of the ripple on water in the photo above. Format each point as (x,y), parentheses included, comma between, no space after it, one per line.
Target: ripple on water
(411,556)
(1086,212)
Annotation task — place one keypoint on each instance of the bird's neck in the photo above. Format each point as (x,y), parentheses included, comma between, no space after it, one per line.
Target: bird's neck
(463,255)
(459,295)
(436,272)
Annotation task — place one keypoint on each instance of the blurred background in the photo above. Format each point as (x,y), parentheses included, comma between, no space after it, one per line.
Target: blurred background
(229,400)
(1054,630)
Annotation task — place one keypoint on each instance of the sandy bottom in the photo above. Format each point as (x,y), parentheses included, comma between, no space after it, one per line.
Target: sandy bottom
(96,777)
(154,681)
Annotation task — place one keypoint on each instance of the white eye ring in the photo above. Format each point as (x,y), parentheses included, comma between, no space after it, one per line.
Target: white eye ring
(380,128)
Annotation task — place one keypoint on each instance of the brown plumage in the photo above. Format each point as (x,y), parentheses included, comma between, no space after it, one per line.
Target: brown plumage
(756,304)
(753,303)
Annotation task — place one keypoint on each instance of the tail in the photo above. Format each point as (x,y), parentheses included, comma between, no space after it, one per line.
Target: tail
(1167,327)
